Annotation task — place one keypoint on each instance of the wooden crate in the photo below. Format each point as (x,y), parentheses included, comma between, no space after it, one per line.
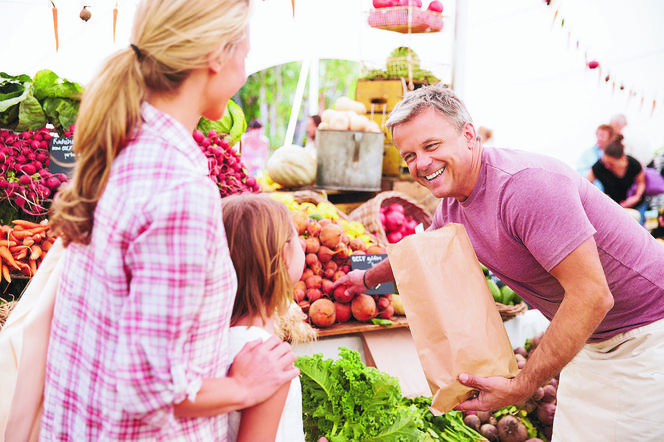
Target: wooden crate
(392,161)
(382,94)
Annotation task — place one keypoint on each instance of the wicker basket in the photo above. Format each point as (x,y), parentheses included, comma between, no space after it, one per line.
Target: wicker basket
(508,312)
(369,212)
(309,196)
(406,19)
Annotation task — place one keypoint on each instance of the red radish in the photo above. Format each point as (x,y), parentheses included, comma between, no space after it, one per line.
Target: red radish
(435,6)
(396,207)
(394,220)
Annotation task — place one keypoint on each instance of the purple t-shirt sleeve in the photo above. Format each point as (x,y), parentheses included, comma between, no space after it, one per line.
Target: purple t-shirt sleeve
(544,210)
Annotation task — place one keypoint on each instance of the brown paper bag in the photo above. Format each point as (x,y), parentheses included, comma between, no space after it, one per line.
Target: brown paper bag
(451,314)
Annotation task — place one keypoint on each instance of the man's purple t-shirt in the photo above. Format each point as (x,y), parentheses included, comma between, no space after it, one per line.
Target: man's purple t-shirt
(527,212)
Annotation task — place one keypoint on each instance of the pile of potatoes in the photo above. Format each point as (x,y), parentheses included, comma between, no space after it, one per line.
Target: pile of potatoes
(348,114)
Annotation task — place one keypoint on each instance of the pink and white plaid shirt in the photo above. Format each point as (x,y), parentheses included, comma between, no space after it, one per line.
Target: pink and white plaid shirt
(142,313)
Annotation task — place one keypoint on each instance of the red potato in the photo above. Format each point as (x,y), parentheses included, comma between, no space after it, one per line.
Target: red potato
(363,307)
(323,312)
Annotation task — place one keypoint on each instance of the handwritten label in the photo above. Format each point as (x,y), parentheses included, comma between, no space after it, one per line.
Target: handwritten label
(61,153)
(364,262)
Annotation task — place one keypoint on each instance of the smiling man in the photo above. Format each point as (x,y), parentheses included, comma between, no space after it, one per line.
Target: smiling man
(567,250)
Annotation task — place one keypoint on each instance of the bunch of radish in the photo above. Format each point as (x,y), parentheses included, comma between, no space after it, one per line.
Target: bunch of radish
(396,223)
(226,167)
(327,250)
(24,177)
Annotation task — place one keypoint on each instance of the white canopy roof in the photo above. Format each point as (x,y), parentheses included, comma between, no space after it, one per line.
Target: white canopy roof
(522,73)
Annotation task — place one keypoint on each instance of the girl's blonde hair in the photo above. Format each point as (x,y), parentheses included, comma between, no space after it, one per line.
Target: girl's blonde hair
(257,227)
(170,38)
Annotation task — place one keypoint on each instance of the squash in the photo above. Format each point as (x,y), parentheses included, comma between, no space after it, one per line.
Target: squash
(292,166)
(347,104)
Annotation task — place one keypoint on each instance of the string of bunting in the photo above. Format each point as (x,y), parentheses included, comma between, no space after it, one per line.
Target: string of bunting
(595,64)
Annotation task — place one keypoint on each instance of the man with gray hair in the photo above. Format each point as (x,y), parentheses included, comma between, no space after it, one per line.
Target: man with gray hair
(567,250)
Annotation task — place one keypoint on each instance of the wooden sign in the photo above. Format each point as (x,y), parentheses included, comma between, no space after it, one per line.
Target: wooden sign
(364,262)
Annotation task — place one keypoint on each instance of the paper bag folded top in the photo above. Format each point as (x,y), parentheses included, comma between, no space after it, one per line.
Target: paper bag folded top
(452,316)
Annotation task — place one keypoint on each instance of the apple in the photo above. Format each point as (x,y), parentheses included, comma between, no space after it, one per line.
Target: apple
(435,6)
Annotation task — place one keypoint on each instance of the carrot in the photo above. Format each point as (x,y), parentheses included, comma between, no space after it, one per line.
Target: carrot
(35,252)
(28,241)
(25,224)
(46,245)
(115,19)
(16,249)
(25,269)
(7,243)
(20,255)
(293,5)
(54,10)
(5,273)
(7,256)
(33,266)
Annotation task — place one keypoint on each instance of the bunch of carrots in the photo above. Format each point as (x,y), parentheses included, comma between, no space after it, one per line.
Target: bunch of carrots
(23,247)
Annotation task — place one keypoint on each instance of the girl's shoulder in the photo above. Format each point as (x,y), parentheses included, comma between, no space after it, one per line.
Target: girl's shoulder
(239,335)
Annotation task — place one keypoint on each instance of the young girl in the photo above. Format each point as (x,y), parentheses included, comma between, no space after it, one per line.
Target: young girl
(269,260)
(138,345)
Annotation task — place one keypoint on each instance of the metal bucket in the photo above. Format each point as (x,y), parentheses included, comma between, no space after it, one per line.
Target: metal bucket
(349,160)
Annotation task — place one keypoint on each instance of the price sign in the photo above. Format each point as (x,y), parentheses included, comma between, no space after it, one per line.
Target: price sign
(61,159)
(363,262)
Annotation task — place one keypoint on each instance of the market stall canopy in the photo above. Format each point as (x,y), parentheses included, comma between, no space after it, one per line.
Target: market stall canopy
(526,73)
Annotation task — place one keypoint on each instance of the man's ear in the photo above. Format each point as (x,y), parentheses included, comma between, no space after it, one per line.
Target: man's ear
(469,133)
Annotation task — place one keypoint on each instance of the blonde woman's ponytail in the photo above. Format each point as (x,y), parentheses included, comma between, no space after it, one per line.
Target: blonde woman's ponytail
(108,116)
(170,38)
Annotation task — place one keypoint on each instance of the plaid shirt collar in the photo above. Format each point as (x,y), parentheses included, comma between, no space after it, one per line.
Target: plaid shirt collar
(183,141)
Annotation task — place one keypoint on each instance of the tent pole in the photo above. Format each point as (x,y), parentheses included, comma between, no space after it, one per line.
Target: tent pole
(459,50)
(313,87)
(297,102)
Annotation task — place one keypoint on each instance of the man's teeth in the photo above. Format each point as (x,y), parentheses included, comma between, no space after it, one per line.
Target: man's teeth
(435,174)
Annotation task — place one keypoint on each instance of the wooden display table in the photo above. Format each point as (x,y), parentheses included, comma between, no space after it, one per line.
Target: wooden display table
(353,327)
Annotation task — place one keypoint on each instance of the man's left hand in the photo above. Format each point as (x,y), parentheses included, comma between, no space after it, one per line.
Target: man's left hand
(493,393)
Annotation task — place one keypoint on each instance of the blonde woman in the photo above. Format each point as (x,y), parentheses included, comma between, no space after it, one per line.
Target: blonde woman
(138,342)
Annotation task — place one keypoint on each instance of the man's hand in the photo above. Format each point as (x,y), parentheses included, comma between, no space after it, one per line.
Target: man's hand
(262,367)
(354,282)
(493,392)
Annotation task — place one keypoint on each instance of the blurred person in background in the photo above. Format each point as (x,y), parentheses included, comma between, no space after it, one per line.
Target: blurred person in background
(604,135)
(310,141)
(618,172)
